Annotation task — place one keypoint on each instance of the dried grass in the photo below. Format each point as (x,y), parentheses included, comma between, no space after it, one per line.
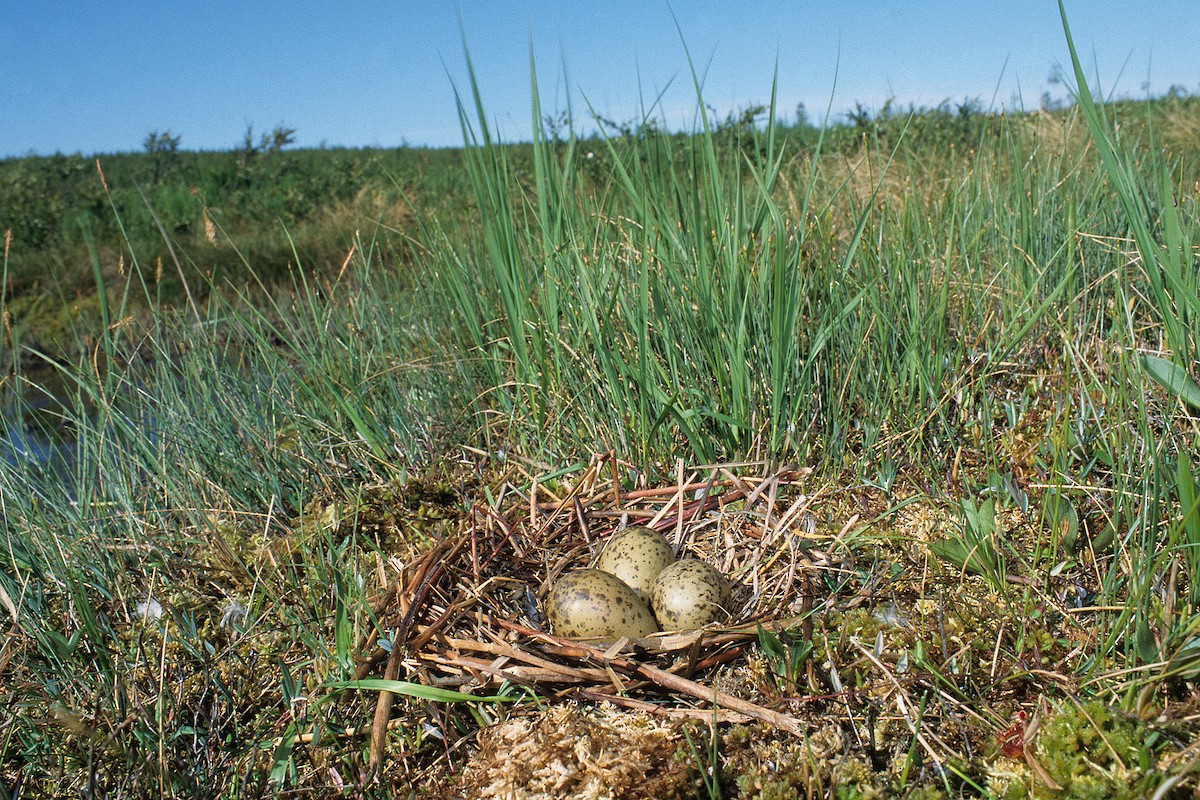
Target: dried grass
(467,612)
(572,753)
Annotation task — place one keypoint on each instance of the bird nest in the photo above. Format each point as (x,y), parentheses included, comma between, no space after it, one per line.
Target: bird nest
(467,614)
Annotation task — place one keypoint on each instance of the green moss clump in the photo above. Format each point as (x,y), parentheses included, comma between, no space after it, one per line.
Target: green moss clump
(927,793)
(759,764)
(854,780)
(764,767)
(1089,751)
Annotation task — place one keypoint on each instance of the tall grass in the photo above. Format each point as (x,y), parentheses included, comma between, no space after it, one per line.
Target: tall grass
(729,297)
(153,557)
(665,306)
(1166,617)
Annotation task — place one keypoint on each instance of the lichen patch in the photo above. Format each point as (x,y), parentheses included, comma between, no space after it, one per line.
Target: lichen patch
(572,754)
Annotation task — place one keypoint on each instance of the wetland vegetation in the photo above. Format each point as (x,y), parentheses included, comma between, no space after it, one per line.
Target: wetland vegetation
(959,345)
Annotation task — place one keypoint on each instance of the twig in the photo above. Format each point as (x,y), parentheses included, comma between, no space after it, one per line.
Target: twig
(426,572)
(668,680)
(713,716)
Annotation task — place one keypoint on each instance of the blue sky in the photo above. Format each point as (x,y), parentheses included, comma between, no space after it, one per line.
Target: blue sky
(97,77)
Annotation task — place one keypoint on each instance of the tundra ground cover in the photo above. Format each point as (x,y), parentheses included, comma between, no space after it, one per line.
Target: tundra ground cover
(979,357)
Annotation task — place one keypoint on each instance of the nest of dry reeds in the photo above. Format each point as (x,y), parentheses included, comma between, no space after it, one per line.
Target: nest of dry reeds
(467,613)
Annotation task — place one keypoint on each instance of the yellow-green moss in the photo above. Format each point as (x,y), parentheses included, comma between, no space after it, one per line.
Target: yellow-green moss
(1088,751)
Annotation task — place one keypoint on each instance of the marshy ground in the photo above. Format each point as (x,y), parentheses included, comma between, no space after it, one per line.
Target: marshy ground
(928,398)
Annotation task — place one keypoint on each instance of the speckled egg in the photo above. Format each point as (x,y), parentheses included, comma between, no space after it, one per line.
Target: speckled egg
(636,555)
(591,604)
(690,594)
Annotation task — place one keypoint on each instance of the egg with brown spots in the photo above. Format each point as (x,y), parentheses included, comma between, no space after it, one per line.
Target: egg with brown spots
(592,604)
(636,555)
(690,594)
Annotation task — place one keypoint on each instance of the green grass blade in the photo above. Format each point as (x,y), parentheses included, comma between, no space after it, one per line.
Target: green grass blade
(419,691)
(1172,377)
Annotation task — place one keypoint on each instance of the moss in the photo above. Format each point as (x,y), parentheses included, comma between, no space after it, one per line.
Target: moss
(568,752)
(927,793)
(1089,750)
(764,767)
(860,622)
(854,780)
(761,764)
(397,515)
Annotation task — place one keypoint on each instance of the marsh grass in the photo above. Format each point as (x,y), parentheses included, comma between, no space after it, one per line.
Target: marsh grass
(1000,336)
(716,299)
(155,573)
